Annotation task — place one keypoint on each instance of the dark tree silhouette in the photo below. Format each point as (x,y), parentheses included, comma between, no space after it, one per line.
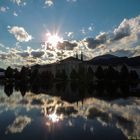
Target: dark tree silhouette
(61,75)
(9,73)
(64,75)
(90,74)
(58,75)
(99,73)
(8,89)
(34,78)
(81,73)
(110,73)
(24,74)
(16,74)
(46,77)
(124,73)
(133,75)
(73,75)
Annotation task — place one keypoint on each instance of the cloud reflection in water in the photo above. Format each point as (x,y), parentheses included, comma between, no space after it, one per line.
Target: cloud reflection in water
(19,124)
(122,114)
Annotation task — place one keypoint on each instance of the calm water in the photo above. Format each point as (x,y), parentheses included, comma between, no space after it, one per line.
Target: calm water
(41,117)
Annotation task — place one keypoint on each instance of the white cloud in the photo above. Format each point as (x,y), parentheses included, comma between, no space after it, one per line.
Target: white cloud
(49,2)
(124,40)
(124,37)
(20,34)
(3,9)
(71,0)
(128,37)
(123,30)
(83,31)
(90,28)
(19,2)
(15,14)
(87,30)
(8,26)
(69,34)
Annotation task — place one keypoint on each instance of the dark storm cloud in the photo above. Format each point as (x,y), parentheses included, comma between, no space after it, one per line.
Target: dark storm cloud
(66,45)
(3,56)
(121,53)
(100,39)
(37,54)
(23,54)
(122,31)
(50,54)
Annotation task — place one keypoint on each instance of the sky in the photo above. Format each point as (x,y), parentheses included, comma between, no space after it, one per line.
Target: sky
(46,31)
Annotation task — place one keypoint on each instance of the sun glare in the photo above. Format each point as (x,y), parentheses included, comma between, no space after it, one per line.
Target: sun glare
(53,39)
(53,117)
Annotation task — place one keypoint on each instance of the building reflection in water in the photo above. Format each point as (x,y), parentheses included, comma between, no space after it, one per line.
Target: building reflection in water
(122,114)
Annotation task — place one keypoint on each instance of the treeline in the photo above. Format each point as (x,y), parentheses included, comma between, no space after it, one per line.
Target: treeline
(26,75)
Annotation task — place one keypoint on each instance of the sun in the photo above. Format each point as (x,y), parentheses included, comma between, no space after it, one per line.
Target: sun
(53,39)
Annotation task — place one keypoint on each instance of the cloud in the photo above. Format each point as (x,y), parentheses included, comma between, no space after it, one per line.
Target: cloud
(127,35)
(122,31)
(19,2)
(49,2)
(37,54)
(69,34)
(66,45)
(87,30)
(71,0)
(122,53)
(20,34)
(83,31)
(100,39)
(3,56)
(90,28)
(23,54)
(15,14)
(123,40)
(3,9)
(50,54)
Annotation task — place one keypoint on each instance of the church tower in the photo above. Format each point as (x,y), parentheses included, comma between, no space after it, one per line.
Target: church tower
(81,56)
(76,55)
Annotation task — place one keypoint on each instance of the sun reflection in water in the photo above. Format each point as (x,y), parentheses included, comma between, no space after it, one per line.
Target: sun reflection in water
(52,116)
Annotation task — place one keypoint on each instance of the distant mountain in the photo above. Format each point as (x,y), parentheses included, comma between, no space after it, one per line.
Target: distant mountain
(69,59)
(106,56)
(109,59)
(134,61)
(2,70)
(106,59)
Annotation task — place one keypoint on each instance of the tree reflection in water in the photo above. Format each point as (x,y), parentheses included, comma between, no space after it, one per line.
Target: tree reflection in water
(75,91)
(74,102)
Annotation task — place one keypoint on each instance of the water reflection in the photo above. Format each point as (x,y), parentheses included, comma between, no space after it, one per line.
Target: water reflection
(74,91)
(19,124)
(46,116)
(8,89)
(51,115)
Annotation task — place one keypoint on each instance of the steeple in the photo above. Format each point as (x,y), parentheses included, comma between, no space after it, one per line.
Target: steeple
(81,56)
(76,55)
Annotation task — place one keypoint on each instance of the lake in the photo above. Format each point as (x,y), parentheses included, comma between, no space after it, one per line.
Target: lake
(42,116)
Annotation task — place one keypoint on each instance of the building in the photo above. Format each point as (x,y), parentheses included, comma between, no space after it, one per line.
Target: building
(71,63)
